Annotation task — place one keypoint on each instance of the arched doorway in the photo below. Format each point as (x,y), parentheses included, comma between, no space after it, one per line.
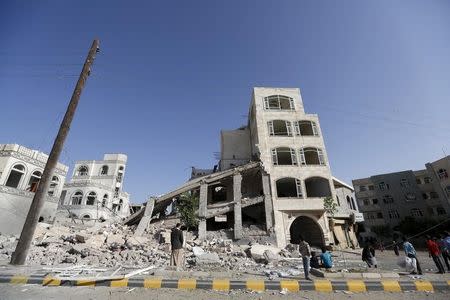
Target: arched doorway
(309,229)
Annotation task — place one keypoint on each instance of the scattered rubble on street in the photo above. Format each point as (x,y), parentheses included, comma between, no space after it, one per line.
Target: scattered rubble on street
(112,245)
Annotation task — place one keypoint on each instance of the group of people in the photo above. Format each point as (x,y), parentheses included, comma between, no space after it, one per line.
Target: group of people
(438,250)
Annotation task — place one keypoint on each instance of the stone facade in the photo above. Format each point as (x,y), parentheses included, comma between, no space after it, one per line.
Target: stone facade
(20,171)
(95,190)
(386,199)
(290,145)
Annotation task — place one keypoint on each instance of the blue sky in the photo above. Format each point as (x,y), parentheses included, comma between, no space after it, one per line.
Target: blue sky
(171,74)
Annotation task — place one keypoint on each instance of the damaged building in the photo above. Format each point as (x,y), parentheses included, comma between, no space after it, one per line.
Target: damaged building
(273,173)
(95,190)
(21,169)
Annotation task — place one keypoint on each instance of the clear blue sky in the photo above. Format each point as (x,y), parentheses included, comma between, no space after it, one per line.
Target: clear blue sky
(171,74)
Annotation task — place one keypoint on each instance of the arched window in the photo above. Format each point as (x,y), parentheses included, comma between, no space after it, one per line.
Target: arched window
(279,102)
(311,156)
(86,217)
(105,200)
(353,203)
(338,202)
(77,197)
(15,176)
(317,187)
(284,156)
(83,171)
(442,173)
(306,128)
(349,204)
(289,187)
(34,181)
(104,170)
(53,186)
(92,196)
(279,128)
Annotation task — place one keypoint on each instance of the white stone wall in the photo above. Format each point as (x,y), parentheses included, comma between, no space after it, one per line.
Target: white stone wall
(94,181)
(312,207)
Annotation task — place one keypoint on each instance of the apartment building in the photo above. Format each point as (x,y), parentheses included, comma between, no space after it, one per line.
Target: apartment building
(386,199)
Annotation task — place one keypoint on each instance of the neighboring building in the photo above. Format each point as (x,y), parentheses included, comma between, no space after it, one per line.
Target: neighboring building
(95,190)
(20,172)
(273,172)
(386,199)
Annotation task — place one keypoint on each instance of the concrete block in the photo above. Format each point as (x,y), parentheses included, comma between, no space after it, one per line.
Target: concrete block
(389,275)
(371,275)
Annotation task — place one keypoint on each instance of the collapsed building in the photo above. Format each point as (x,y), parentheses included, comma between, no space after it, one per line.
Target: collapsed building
(273,172)
(21,169)
(95,191)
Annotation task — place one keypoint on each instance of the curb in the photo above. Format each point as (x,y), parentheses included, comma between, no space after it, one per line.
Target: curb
(227,284)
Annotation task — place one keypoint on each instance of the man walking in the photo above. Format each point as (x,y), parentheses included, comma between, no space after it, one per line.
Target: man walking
(434,252)
(305,251)
(176,241)
(411,253)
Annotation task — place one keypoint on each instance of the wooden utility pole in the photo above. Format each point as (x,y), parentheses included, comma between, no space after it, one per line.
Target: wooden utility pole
(23,246)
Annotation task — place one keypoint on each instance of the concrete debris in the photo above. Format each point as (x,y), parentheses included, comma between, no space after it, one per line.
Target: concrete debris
(110,245)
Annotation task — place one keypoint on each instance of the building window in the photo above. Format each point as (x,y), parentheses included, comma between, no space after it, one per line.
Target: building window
(15,176)
(383,186)
(362,188)
(104,170)
(442,173)
(279,102)
(105,200)
(375,201)
(415,212)
(410,196)
(120,174)
(434,195)
(387,199)
(279,128)
(53,186)
(393,214)
(425,196)
(440,211)
(77,197)
(371,187)
(418,181)
(306,128)
(116,192)
(34,181)
(83,171)
(91,198)
(284,156)
(427,180)
(289,187)
(311,156)
(379,215)
(338,202)
(365,201)
(404,182)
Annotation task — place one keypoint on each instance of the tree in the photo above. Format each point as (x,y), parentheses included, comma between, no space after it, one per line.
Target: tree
(187,206)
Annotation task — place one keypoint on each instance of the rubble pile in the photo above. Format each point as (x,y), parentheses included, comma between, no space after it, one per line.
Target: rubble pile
(112,245)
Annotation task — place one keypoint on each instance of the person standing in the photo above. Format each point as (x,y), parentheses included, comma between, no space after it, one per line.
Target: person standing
(434,252)
(444,245)
(176,241)
(396,249)
(305,251)
(411,253)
